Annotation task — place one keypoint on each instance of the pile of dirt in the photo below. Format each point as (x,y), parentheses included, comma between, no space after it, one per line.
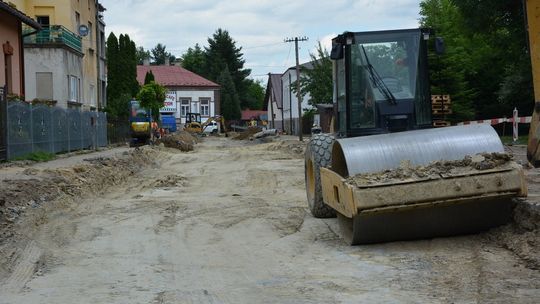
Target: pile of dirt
(438,169)
(293,147)
(522,236)
(169,181)
(247,133)
(94,176)
(182,141)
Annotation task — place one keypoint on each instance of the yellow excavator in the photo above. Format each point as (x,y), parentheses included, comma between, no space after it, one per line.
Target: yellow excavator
(213,125)
(193,123)
(384,124)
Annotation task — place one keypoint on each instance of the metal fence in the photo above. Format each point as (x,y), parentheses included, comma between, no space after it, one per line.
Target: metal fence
(33,128)
(118,131)
(3,123)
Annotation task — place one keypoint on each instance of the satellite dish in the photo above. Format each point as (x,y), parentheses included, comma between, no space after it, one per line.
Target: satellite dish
(83,30)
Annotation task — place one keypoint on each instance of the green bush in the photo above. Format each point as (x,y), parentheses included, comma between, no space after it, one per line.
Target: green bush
(508,140)
(38,156)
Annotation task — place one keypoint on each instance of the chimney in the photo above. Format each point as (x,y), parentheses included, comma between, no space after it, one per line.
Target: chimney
(167,60)
(146,62)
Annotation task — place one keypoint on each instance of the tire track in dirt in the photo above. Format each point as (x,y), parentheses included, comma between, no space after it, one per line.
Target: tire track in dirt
(24,270)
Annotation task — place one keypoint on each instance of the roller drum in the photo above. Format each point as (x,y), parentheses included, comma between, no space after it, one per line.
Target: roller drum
(351,156)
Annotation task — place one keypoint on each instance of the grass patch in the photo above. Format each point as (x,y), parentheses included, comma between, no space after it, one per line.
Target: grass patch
(38,156)
(508,140)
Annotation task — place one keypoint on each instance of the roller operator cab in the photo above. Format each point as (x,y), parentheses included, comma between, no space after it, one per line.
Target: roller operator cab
(381,81)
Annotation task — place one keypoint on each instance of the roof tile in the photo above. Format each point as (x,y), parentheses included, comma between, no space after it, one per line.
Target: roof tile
(249,114)
(173,76)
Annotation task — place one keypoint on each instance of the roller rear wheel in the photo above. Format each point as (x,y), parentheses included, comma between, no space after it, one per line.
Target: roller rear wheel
(318,155)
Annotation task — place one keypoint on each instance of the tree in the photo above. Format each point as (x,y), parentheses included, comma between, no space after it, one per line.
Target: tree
(149,77)
(152,96)
(142,55)
(255,94)
(122,74)
(504,74)
(159,54)
(194,60)
(113,89)
(128,65)
(131,75)
(230,103)
(449,72)
(318,80)
(222,53)
(486,68)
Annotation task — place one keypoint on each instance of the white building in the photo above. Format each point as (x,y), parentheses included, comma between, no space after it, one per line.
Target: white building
(273,102)
(187,91)
(281,101)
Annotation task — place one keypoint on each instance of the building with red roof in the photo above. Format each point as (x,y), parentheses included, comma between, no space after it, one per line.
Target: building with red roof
(187,91)
(248,115)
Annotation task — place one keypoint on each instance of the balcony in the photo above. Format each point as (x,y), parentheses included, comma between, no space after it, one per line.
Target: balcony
(53,35)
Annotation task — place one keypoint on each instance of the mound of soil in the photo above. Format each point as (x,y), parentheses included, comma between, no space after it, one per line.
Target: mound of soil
(95,175)
(522,236)
(290,146)
(182,141)
(434,170)
(169,181)
(248,133)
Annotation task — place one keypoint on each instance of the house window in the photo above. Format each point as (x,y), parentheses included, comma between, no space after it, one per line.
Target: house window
(8,69)
(44,21)
(77,19)
(205,107)
(90,38)
(102,43)
(44,85)
(184,107)
(73,83)
(92,95)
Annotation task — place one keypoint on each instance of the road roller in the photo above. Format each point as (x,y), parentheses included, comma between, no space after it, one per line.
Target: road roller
(383,120)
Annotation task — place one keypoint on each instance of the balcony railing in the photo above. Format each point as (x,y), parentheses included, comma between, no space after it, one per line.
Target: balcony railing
(54,34)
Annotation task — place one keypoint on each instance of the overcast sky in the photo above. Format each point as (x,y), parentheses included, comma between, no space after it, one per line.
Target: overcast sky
(258,26)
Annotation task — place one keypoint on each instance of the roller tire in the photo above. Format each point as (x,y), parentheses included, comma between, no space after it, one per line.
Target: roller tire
(318,155)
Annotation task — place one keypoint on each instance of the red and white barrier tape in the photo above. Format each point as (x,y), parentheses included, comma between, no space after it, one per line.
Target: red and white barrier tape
(496,121)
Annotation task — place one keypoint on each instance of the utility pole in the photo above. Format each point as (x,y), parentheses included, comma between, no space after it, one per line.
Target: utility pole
(298,94)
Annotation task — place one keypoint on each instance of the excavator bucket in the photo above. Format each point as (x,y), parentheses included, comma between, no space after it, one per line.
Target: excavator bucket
(421,184)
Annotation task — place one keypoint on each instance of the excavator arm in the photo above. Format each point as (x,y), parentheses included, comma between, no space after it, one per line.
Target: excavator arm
(533,21)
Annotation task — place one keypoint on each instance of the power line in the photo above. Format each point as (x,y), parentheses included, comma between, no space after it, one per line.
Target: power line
(260,46)
(288,55)
(265,66)
(243,48)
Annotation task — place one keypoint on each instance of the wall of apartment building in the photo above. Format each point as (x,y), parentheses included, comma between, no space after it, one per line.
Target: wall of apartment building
(50,73)
(101,64)
(64,12)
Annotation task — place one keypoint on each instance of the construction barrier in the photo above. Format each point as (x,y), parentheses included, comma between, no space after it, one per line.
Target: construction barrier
(496,121)
(515,120)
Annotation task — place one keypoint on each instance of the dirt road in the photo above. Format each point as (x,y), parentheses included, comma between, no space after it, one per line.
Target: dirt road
(227,223)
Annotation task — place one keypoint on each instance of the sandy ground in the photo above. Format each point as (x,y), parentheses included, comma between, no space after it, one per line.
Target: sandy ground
(228,223)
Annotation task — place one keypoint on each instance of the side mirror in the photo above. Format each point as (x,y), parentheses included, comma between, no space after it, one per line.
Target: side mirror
(439,46)
(337,51)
